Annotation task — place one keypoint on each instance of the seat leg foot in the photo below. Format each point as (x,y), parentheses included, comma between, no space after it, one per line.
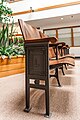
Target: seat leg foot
(27,109)
(47,116)
(59,85)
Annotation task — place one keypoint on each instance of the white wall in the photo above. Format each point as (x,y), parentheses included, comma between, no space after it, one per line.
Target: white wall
(75,51)
(50,13)
(26,4)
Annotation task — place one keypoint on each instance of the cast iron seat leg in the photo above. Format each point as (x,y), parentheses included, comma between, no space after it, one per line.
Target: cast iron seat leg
(66,66)
(47,99)
(62,70)
(27,95)
(57,76)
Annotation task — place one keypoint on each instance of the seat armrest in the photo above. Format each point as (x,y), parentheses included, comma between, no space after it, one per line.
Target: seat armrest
(47,39)
(65,47)
(57,44)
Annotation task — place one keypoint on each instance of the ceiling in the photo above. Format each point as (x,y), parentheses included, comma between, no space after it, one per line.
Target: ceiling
(68,20)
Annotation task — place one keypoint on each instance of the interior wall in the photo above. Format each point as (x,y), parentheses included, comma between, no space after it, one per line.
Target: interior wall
(26,4)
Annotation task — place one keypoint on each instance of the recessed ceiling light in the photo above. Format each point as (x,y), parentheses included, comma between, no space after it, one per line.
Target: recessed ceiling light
(61,18)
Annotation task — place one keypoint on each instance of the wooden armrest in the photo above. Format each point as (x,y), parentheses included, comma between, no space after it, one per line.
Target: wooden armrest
(60,43)
(57,44)
(65,47)
(48,39)
(53,40)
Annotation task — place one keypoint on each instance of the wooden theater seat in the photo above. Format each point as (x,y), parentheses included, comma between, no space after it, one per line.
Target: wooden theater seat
(38,62)
(59,51)
(62,51)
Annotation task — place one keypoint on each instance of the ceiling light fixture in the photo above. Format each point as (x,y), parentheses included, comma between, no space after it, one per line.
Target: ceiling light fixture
(61,18)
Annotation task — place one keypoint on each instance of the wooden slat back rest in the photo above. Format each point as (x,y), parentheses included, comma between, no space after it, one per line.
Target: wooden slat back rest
(51,51)
(52,41)
(28,31)
(32,33)
(42,35)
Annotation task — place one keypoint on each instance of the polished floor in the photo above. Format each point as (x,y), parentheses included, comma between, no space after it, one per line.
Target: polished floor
(64,101)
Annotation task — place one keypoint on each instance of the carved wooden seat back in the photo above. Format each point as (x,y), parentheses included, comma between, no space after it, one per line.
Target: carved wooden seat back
(28,31)
(32,33)
(51,51)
